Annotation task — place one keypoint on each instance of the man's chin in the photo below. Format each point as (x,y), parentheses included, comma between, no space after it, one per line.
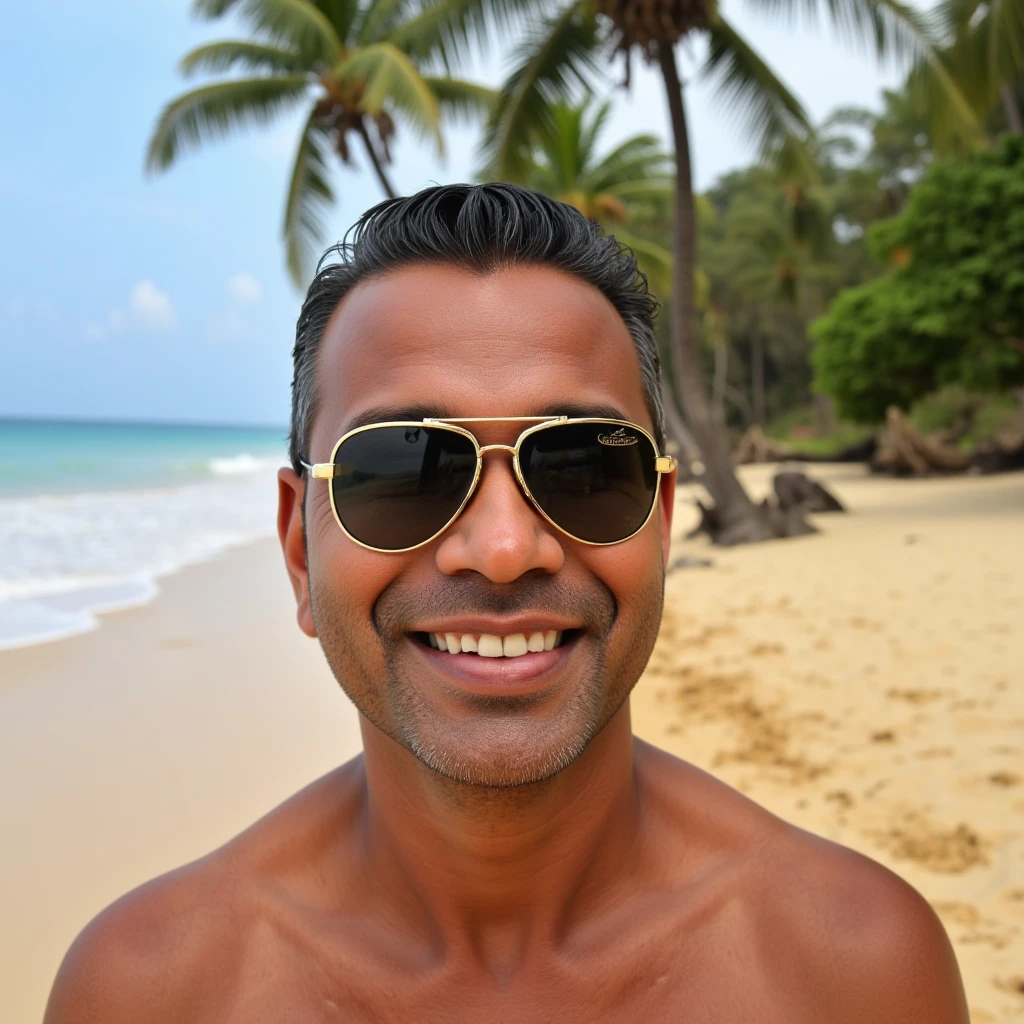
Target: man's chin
(501,766)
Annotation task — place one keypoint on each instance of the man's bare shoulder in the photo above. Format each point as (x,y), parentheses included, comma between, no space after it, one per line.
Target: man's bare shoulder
(174,948)
(850,937)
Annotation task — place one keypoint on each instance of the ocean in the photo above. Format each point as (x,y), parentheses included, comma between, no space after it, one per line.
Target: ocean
(93,515)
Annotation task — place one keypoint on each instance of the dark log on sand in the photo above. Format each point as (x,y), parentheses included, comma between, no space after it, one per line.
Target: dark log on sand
(1001,455)
(797,490)
(778,523)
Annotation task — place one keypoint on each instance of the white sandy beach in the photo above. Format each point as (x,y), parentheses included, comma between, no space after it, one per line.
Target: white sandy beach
(866,683)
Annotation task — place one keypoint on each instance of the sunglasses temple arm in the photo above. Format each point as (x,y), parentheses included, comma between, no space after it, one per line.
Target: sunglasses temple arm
(320,471)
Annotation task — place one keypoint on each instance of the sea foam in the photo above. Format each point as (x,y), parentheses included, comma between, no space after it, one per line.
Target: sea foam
(66,558)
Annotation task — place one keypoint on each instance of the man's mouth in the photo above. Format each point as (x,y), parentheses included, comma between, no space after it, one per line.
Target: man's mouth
(491,645)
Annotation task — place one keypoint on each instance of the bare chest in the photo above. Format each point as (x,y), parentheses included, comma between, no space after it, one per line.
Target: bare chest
(700,984)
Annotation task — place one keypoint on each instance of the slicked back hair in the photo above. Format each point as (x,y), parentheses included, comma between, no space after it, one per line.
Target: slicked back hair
(482,228)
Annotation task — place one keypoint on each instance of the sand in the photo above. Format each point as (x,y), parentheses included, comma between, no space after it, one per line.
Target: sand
(866,683)
(147,743)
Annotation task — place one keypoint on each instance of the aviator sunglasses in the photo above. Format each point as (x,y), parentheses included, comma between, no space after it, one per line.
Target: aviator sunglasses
(396,486)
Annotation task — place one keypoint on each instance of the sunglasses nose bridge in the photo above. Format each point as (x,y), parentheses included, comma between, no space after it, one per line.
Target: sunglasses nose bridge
(497,448)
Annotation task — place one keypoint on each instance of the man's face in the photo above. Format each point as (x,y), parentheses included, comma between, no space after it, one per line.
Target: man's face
(440,341)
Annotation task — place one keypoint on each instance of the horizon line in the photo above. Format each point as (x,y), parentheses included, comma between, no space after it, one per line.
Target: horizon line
(100,421)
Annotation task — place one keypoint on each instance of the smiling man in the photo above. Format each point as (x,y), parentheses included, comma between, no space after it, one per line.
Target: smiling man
(476,527)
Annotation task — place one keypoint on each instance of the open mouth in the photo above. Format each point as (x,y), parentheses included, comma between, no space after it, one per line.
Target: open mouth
(490,645)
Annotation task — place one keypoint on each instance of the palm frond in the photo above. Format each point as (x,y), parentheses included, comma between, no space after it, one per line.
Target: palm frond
(771,114)
(392,78)
(343,15)
(232,53)
(591,129)
(214,111)
(1005,32)
(464,101)
(297,24)
(309,198)
(210,9)
(451,29)
(555,61)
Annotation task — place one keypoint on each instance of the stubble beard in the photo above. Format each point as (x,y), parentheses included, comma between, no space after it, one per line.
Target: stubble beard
(499,745)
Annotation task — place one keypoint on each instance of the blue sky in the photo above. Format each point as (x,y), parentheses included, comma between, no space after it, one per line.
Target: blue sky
(166,298)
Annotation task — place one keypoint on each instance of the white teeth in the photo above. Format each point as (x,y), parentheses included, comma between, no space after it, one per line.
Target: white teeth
(490,646)
(513,646)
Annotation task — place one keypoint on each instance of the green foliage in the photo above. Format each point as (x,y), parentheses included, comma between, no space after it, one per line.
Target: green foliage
(967,417)
(625,191)
(951,308)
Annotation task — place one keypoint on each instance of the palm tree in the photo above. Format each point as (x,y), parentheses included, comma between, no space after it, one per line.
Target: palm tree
(631,183)
(567,44)
(986,55)
(355,66)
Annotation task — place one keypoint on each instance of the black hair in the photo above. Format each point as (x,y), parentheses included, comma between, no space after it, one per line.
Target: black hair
(481,228)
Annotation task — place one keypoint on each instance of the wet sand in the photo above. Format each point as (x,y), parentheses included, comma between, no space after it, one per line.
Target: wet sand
(866,683)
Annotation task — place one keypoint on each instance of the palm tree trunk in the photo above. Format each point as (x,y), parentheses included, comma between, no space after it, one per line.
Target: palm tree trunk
(735,512)
(375,160)
(677,430)
(757,375)
(1010,108)
(721,378)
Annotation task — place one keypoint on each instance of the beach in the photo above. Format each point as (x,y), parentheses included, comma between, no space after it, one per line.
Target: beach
(865,683)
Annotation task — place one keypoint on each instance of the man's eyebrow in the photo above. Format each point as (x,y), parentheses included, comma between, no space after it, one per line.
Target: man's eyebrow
(393,413)
(577,411)
(415,413)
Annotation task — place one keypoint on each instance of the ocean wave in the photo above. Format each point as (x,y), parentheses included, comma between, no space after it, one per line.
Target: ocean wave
(233,465)
(66,558)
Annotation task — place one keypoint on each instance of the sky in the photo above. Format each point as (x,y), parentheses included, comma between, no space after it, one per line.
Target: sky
(127,297)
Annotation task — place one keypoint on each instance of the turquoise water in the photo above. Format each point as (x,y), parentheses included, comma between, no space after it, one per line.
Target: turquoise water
(94,515)
(41,457)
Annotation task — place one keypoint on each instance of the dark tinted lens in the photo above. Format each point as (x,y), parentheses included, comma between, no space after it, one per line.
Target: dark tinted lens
(395,487)
(595,480)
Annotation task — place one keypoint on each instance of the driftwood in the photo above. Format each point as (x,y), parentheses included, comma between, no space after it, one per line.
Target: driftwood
(797,490)
(904,451)
(754,446)
(772,523)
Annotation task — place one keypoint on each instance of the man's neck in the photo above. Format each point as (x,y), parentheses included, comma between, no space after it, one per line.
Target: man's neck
(501,873)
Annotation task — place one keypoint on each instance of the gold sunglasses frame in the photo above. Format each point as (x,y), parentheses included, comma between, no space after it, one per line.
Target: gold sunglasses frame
(325,470)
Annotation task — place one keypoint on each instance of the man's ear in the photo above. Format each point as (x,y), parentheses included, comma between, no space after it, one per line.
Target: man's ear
(291,491)
(666,506)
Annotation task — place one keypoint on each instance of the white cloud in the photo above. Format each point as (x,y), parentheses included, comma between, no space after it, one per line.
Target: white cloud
(94,331)
(151,306)
(227,325)
(243,287)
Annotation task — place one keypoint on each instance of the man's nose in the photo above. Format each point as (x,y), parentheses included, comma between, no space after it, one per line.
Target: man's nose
(500,534)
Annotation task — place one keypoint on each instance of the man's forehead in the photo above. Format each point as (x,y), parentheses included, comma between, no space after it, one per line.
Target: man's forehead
(446,342)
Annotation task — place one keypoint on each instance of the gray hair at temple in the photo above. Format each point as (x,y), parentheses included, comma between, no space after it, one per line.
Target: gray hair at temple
(481,228)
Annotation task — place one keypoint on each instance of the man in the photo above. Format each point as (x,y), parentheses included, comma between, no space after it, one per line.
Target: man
(476,527)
